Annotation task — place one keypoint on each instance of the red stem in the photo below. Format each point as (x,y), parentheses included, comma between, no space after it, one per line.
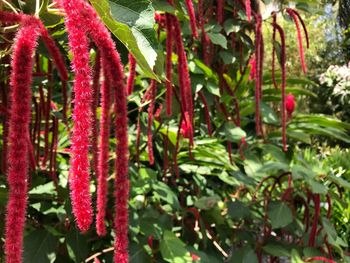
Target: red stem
(317,202)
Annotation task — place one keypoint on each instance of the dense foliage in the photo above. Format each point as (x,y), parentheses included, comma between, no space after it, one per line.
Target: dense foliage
(224,166)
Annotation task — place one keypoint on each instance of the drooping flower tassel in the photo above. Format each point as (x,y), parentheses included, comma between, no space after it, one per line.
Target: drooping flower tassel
(19,120)
(273,76)
(103,156)
(184,78)
(132,74)
(258,73)
(299,38)
(168,63)
(313,232)
(55,53)
(94,105)
(192,15)
(220,11)
(248,10)
(153,90)
(47,114)
(79,179)
(283,86)
(104,42)
(9,17)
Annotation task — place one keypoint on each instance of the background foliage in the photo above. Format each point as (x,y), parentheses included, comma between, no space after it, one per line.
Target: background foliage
(251,203)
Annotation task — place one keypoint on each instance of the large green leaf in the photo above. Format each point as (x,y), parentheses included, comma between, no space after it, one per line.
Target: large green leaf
(40,246)
(234,133)
(279,214)
(173,249)
(77,245)
(132,23)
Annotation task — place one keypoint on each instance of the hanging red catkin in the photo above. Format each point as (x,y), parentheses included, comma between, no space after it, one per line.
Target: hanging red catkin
(54,52)
(153,88)
(94,105)
(168,64)
(205,39)
(103,156)
(79,178)
(19,120)
(47,113)
(248,10)
(184,78)
(283,86)
(122,181)
(192,15)
(220,11)
(104,42)
(313,232)
(9,18)
(299,37)
(132,74)
(304,27)
(273,76)
(258,58)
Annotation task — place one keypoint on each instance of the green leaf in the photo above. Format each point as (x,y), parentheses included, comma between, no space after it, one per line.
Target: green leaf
(250,257)
(207,202)
(277,250)
(268,115)
(234,133)
(40,246)
(77,245)
(218,39)
(317,188)
(173,249)
(339,181)
(296,257)
(138,254)
(213,88)
(231,26)
(238,210)
(164,192)
(132,23)
(279,214)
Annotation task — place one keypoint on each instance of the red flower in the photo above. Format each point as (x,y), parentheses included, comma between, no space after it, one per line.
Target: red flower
(132,74)
(185,128)
(252,63)
(195,257)
(290,104)
(19,119)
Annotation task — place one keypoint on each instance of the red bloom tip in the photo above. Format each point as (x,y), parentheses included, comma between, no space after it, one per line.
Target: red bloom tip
(290,104)
(252,63)
(195,257)
(54,106)
(185,129)
(160,19)
(248,9)
(150,241)
(243,141)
